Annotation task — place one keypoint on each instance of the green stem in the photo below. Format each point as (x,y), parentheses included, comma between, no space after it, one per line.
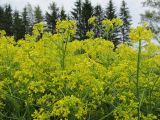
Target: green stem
(64,50)
(138,71)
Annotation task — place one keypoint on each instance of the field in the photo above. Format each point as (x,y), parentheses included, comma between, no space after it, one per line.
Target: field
(54,77)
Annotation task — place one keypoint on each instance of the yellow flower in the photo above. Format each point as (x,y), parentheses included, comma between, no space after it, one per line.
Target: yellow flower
(117,22)
(140,33)
(90,34)
(107,23)
(2,33)
(38,28)
(123,98)
(92,20)
(66,27)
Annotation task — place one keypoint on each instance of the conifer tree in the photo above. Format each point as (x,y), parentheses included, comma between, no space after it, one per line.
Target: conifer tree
(52,17)
(87,12)
(17,26)
(76,14)
(1,16)
(25,21)
(8,20)
(38,14)
(110,11)
(63,15)
(125,16)
(110,14)
(99,13)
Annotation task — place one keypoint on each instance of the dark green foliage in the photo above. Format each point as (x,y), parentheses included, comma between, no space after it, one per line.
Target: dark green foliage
(17,26)
(38,14)
(25,21)
(63,15)
(110,11)
(7,18)
(125,16)
(1,16)
(110,14)
(99,13)
(52,17)
(87,12)
(76,14)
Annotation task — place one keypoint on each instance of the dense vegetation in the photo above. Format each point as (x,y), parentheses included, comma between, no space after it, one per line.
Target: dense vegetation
(54,77)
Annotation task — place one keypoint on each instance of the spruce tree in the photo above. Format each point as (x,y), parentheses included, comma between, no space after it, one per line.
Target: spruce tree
(52,17)
(38,14)
(110,11)
(63,15)
(152,16)
(87,12)
(125,16)
(110,14)
(99,13)
(8,20)
(25,21)
(17,26)
(1,16)
(76,14)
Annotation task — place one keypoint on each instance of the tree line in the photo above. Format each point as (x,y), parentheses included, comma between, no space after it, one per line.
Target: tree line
(18,23)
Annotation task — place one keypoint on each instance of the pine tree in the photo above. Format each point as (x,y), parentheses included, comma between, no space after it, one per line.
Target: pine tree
(7,18)
(63,15)
(38,14)
(125,16)
(87,12)
(110,14)
(76,14)
(1,16)
(52,17)
(110,11)
(99,13)
(152,16)
(17,26)
(25,21)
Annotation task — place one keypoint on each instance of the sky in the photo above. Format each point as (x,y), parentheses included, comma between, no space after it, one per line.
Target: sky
(135,6)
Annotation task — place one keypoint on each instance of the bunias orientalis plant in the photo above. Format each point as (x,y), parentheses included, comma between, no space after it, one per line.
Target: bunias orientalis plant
(66,29)
(94,81)
(140,34)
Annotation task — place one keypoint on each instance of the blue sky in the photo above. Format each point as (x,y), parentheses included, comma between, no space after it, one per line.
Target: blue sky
(135,6)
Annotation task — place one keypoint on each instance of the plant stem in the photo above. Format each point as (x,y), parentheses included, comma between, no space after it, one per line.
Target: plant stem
(64,50)
(138,71)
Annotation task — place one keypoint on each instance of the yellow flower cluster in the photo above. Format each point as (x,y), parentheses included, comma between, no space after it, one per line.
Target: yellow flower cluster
(67,27)
(80,80)
(140,33)
(92,20)
(38,29)
(69,104)
(111,24)
(107,23)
